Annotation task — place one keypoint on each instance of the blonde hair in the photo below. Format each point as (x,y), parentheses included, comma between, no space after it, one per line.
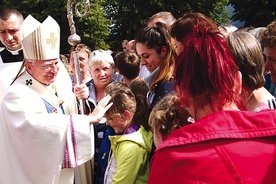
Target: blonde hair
(168,115)
(99,56)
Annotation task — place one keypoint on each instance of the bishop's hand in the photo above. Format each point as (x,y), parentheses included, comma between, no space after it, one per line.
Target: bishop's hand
(100,109)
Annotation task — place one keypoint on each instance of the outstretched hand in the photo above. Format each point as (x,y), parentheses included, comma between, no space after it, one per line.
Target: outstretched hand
(100,109)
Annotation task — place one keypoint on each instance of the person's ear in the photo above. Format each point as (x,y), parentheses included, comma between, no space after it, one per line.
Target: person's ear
(113,69)
(238,82)
(163,51)
(28,67)
(127,114)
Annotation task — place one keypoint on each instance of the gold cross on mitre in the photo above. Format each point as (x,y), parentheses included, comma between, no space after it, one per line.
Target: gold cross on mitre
(42,41)
(52,40)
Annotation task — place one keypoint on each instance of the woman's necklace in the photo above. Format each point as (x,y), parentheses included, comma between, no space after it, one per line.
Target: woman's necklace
(249,98)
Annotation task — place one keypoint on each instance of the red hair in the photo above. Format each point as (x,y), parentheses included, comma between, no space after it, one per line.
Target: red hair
(205,70)
(185,24)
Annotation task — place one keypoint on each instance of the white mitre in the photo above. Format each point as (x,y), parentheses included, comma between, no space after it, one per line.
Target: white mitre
(40,41)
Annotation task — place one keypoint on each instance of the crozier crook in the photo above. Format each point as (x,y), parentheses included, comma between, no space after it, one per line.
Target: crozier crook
(74,39)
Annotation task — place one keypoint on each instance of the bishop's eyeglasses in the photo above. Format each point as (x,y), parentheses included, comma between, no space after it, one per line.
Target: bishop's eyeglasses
(48,67)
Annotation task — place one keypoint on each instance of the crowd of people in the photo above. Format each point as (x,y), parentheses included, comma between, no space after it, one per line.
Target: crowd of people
(185,101)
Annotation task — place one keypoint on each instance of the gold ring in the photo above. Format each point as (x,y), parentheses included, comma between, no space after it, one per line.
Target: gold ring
(103,105)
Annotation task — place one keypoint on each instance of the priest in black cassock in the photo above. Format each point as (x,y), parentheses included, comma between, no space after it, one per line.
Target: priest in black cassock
(11,56)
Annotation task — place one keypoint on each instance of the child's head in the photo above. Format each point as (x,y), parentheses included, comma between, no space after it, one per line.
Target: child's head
(166,116)
(128,65)
(121,113)
(140,89)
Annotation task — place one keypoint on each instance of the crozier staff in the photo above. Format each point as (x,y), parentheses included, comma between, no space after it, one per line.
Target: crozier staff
(40,141)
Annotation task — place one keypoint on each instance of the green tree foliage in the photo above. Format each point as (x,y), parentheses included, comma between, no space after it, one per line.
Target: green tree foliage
(92,28)
(128,16)
(110,21)
(254,13)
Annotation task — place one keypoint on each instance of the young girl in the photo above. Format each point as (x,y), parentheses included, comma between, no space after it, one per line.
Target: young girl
(167,115)
(131,147)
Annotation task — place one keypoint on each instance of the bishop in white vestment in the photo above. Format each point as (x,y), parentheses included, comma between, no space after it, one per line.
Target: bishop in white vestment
(39,142)
(11,60)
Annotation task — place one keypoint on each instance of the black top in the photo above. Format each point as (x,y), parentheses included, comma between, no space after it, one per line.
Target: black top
(8,57)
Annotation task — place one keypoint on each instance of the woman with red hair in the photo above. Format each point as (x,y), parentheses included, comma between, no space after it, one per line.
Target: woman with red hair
(185,24)
(224,144)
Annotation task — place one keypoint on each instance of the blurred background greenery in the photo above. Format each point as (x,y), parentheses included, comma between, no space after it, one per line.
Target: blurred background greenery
(108,22)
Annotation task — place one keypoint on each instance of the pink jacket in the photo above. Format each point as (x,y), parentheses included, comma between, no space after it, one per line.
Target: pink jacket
(223,147)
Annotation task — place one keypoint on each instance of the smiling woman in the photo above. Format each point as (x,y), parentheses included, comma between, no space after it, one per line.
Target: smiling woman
(154,46)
